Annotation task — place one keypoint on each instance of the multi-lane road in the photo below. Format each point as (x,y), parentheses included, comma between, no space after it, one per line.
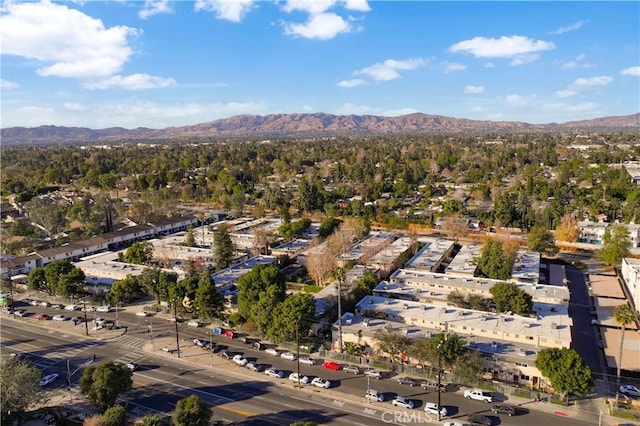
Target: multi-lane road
(236,394)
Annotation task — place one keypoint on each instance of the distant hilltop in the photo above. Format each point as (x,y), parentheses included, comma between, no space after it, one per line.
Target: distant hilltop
(301,125)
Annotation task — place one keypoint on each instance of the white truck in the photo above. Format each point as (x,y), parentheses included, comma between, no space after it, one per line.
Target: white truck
(478,395)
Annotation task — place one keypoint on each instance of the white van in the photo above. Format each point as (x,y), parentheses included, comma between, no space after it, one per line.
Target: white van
(195,324)
(103,309)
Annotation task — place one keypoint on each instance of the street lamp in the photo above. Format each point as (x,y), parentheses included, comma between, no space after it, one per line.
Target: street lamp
(210,333)
(84,309)
(440,372)
(151,339)
(339,273)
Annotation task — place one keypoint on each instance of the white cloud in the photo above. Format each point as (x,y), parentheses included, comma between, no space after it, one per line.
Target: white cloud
(308,6)
(635,71)
(578,62)
(307,108)
(519,100)
(230,10)
(473,89)
(521,48)
(322,26)
(581,84)
(453,66)
(489,65)
(593,81)
(131,82)
(359,5)
(8,85)
(154,7)
(388,70)
(74,44)
(565,93)
(73,106)
(352,83)
(572,27)
(477,109)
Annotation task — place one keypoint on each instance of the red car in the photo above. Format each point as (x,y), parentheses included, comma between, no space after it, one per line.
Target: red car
(331,365)
(229,334)
(42,317)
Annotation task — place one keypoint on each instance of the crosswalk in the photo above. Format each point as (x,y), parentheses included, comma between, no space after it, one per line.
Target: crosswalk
(135,356)
(55,356)
(131,341)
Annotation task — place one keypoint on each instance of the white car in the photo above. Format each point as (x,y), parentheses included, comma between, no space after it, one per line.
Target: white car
(20,312)
(133,366)
(271,351)
(142,314)
(240,360)
(88,309)
(103,309)
(60,318)
(294,378)
(272,372)
(374,374)
(321,383)
(48,379)
(101,321)
(71,308)
(288,355)
(351,369)
(307,360)
(199,342)
(630,390)
(432,408)
(400,401)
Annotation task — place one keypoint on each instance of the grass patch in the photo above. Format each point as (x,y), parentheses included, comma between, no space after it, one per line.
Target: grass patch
(626,414)
(559,402)
(310,288)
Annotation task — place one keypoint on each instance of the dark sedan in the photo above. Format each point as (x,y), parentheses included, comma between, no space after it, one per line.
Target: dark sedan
(479,419)
(503,409)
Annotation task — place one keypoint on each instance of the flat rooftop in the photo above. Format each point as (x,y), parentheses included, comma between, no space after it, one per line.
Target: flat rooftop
(604,307)
(229,276)
(606,286)
(391,252)
(429,256)
(630,352)
(463,262)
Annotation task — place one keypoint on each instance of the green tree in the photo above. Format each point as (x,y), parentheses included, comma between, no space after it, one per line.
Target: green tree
(261,290)
(151,421)
(468,367)
(190,238)
(495,262)
(115,416)
(541,240)
(191,411)
(19,388)
(566,370)
(392,342)
(297,310)
(451,347)
(139,253)
(615,244)
(63,278)
(510,297)
(223,250)
(423,351)
(327,226)
(122,291)
(352,348)
(623,314)
(209,303)
(104,383)
(37,280)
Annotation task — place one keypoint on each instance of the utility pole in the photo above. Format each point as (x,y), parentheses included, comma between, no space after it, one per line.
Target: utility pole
(150,331)
(86,326)
(340,273)
(439,375)
(175,317)
(298,349)
(211,345)
(69,380)
(13,310)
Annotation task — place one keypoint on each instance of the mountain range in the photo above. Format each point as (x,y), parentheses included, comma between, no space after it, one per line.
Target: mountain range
(301,125)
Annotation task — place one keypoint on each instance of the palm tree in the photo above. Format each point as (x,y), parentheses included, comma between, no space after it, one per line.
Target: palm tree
(624,315)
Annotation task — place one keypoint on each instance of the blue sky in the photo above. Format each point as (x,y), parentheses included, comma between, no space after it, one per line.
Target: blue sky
(158,63)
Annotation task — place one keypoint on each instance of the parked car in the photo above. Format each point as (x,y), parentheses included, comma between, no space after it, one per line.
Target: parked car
(272,351)
(199,342)
(331,365)
(42,317)
(374,374)
(224,354)
(400,401)
(432,408)
(103,309)
(374,395)
(88,309)
(133,366)
(272,372)
(288,355)
(61,318)
(72,308)
(630,390)
(34,302)
(59,306)
(49,378)
(44,304)
(307,360)
(142,314)
(254,367)
(294,378)
(101,321)
(257,346)
(479,419)
(240,360)
(431,385)
(20,312)
(321,383)
(229,334)
(407,381)
(351,369)
(503,409)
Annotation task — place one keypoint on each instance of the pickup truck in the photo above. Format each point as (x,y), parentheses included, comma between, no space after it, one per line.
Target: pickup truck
(478,395)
